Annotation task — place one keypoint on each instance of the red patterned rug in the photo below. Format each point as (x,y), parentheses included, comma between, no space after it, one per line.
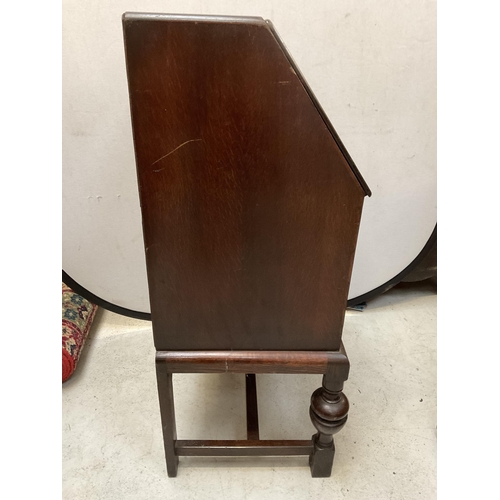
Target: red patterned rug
(77,316)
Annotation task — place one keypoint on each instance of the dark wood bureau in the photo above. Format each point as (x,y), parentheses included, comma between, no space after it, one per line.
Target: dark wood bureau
(251,208)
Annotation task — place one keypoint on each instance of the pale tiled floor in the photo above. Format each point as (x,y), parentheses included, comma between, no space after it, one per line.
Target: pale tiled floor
(112,445)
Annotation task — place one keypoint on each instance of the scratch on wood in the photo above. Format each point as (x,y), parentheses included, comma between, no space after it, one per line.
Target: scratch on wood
(173,151)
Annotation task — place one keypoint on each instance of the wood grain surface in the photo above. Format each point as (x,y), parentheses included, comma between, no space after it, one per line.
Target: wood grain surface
(250,209)
(334,363)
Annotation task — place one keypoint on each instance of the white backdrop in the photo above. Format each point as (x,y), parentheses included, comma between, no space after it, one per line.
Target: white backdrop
(372,66)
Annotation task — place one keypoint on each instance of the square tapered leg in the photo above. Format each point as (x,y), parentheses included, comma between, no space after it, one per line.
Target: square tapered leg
(166,397)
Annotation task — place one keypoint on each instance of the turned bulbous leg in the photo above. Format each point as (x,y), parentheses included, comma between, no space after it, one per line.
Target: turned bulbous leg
(328,411)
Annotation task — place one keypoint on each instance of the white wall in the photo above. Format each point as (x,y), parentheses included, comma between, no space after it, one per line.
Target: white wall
(372,66)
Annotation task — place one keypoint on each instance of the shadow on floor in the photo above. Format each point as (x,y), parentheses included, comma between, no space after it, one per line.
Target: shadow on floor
(404,292)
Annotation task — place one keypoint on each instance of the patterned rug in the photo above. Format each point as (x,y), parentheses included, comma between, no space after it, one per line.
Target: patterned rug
(77,316)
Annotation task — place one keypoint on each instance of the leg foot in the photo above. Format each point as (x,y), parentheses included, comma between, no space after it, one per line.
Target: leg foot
(321,459)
